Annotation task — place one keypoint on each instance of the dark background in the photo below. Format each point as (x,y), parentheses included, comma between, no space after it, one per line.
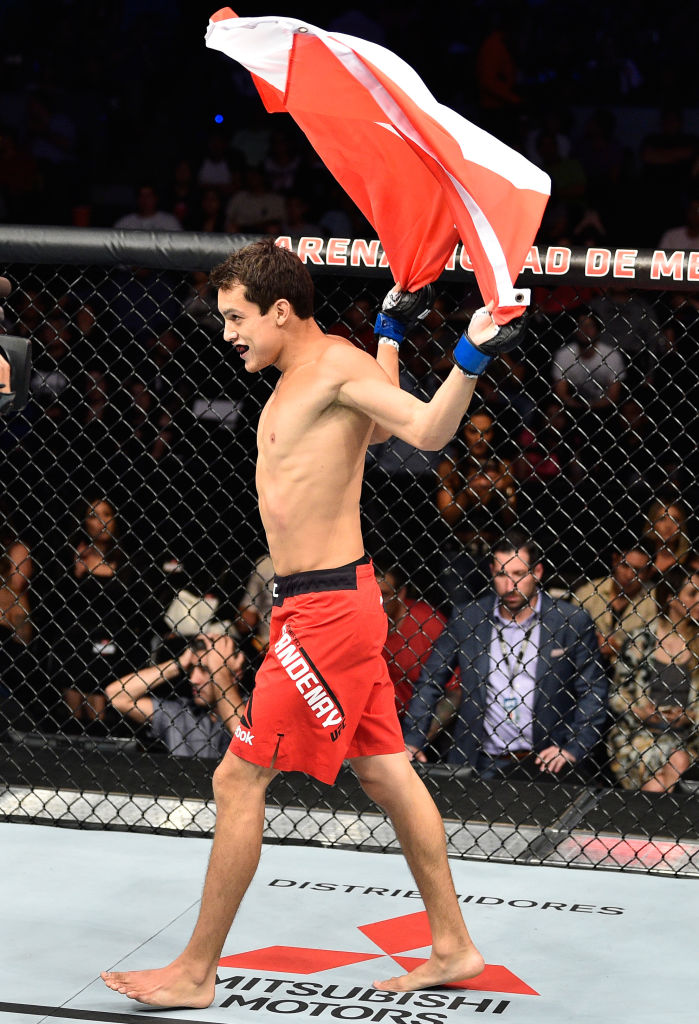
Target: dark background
(131,87)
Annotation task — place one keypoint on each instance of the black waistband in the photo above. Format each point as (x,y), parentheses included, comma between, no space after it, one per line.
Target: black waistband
(344,577)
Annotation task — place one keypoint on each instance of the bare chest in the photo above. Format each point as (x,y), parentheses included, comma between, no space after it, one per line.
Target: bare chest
(294,417)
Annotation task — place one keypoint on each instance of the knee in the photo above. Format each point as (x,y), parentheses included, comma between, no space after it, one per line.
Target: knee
(234,777)
(386,781)
(226,779)
(373,789)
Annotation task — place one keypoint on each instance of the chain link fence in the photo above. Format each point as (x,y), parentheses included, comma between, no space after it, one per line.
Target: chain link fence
(132,551)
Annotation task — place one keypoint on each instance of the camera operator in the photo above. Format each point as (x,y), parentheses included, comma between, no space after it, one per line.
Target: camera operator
(197,726)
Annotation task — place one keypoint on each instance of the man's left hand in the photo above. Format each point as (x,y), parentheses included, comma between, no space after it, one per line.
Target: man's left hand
(553,759)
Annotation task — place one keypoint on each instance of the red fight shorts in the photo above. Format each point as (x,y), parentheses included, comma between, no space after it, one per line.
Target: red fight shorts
(323,692)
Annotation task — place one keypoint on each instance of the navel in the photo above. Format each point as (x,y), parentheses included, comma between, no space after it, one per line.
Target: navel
(271,438)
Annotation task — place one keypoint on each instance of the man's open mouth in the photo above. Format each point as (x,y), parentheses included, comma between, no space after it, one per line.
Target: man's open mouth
(241,349)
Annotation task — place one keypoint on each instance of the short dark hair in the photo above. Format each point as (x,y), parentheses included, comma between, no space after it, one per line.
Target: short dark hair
(267,272)
(517,540)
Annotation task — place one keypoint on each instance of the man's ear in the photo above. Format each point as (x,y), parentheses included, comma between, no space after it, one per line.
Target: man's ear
(282,311)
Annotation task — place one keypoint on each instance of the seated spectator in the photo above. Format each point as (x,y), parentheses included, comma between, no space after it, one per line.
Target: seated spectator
(655,693)
(215,170)
(666,526)
(16,569)
(255,608)
(587,374)
(100,624)
(587,371)
(282,163)
(533,686)
(630,326)
(686,236)
(477,500)
(297,221)
(56,371)
(356,323)
(666,159)
(208,213)
(413,628)
(255,205)
(181,190)
(568,178)
(540,456)
(200,304)
(604,160)
(200,725)
(622,602)
(147,216)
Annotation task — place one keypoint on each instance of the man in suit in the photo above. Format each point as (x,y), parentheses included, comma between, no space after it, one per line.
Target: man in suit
(534,691)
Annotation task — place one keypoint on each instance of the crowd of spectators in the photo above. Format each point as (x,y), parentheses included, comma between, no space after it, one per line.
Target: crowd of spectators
(143,127)
(131,545)
(130,554)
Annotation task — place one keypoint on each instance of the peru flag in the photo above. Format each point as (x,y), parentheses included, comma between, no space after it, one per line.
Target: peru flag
(418,171)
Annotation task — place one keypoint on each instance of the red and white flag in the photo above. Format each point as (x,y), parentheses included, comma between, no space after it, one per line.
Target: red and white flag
(420,173)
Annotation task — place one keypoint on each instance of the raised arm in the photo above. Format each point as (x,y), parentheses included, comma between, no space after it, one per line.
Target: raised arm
(399,311)
(426,425)
(129,694)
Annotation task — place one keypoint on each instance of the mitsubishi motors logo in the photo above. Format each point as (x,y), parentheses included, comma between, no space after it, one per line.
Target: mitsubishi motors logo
(394,936)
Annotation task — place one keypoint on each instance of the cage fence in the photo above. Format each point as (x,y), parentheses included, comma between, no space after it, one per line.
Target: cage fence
(133,549)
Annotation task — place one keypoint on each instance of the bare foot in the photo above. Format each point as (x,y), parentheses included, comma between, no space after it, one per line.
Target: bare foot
(438,970)
(167,987)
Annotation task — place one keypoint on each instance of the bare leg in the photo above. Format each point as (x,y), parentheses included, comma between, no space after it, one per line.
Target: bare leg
(239,789)
(393,784)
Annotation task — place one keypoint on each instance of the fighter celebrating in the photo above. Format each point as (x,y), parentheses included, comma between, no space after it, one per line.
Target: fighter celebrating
(323,693)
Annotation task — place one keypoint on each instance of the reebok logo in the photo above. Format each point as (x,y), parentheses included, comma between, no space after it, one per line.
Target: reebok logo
(244,735)
(309,682)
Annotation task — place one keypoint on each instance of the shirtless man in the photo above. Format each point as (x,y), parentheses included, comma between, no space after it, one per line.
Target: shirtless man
(323,693)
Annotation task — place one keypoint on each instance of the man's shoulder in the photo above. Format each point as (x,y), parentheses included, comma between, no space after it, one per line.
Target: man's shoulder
(478,610)
(596,589)
(568,611)
(170,706)
(343,359)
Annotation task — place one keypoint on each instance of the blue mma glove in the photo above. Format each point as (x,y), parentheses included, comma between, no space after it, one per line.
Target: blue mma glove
(400,310)
(472,359)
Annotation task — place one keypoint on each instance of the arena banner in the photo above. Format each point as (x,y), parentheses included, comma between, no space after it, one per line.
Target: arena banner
(422,174)
(644,268)
(353,257)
